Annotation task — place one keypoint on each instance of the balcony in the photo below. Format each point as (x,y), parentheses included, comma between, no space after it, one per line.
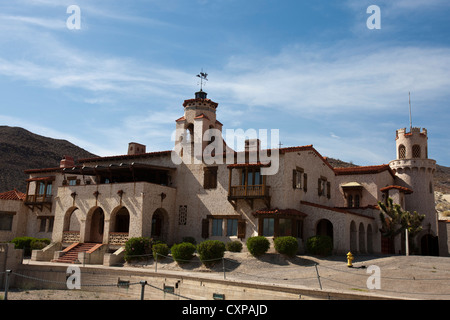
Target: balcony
(249,193)
(39,200)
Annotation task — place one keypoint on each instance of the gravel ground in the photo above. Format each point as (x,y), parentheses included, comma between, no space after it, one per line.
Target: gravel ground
(414,277)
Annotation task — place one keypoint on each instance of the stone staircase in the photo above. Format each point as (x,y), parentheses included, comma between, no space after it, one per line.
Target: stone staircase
(70,254)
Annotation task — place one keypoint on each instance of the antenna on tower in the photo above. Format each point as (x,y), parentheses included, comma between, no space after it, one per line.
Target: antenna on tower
(410,117)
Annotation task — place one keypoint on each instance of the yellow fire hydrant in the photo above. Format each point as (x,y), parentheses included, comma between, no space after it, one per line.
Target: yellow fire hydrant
(349,259)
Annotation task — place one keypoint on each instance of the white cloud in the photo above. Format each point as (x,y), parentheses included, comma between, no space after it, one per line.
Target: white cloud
(314,81)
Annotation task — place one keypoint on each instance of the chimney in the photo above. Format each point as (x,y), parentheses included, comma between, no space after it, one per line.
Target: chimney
(67,162)
(252,145)
(135,148)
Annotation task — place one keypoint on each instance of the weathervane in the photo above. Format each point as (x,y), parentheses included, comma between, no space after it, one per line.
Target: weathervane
(203,77)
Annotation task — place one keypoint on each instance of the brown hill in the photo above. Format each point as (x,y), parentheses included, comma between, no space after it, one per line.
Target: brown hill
(21,150)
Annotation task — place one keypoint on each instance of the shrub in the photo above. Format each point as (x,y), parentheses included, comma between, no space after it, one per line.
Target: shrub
(234,246)
(210,251)
(39,244)
(29,243)
(190,240)
(137,248)
(286,245)
(258,245)
(160,251)
(182,252)
(319,245)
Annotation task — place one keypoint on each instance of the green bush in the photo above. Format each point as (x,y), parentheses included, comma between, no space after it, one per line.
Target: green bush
(183,252)
(39,244)
(190,240)
(234,246)
(29,243)
(258,245)
(210,251)
(137,248)
(319,245)
(286,245)
(160,251)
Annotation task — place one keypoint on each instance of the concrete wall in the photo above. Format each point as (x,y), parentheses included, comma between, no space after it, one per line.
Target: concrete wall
(197,288)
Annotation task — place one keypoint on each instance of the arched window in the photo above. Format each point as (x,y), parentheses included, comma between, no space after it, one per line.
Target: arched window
(416,151)
(401,152)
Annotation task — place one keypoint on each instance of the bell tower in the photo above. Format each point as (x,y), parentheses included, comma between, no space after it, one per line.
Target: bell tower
(415,171)
(199,116)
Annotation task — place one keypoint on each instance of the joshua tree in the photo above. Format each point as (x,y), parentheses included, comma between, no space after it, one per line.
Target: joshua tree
(395,221)
(391,216)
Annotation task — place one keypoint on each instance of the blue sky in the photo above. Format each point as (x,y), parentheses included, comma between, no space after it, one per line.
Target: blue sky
(311,69)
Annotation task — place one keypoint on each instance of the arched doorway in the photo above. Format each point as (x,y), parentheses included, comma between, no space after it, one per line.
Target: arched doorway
(120,220)
(159,224)
(72,225)
(353,237)
(362,238)
(429,245)
(369,239)
(72,220)
(96,222)
(324,228)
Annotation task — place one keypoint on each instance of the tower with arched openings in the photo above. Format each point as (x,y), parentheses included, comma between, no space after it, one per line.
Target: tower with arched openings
(414,170)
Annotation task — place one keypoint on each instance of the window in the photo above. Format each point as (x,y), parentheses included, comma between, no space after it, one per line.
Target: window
(42,225)
(401,152)
(350,201)
(324,187)
(232,227)
(416,151)
(298,178)
(46,224)
(253,176)
(6,220)
(268,227)
(217,227)
(73,181)
(357,201)
(182,215)
(210,178)
(285,227)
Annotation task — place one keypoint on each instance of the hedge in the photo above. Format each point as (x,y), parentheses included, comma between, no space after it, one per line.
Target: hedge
(29,243)
(286,245)
(319,245)
(258,245)
(183,252)
(210,251)
(160,251)
(137,248)
(234,246)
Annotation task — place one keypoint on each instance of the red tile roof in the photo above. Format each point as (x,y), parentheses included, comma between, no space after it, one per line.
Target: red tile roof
(124,157)
(181,119)
(276,211)
(201,116)
(209,101)
(363,170)
(12,195)
(303,148)
(56,169)
(403,189)
(243,165)
(334,209)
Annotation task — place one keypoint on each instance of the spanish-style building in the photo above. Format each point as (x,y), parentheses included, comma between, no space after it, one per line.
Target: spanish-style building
(104,201)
